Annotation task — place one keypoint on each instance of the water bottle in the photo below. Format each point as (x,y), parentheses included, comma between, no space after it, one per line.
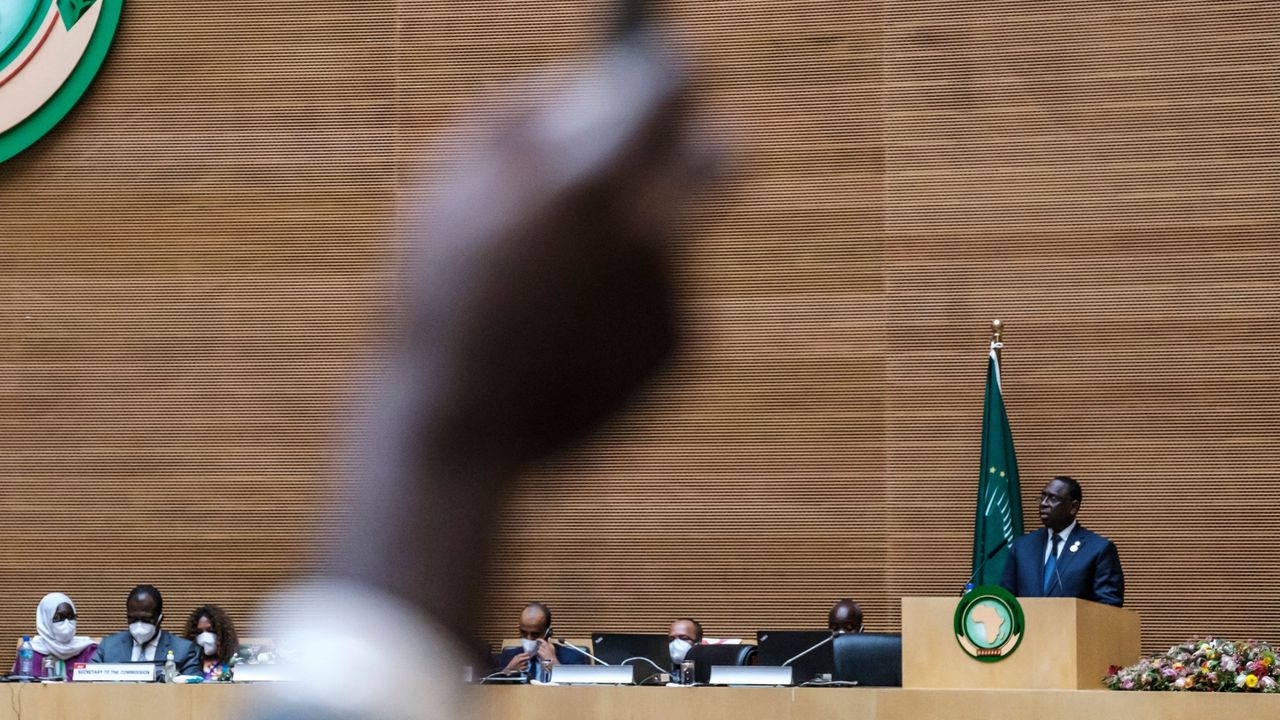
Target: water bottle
(48,671)
(26,658)
(170,667)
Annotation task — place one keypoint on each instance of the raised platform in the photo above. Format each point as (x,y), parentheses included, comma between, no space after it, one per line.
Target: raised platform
(227,702)
(556,703)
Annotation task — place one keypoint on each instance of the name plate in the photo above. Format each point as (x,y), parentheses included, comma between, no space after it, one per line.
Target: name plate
(261,673)
(750,675)
(115,672)
(593,674)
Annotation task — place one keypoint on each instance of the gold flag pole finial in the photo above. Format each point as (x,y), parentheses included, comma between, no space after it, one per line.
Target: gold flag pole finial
(997,333)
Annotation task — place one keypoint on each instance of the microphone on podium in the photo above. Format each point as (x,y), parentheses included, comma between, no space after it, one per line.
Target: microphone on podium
(968,585)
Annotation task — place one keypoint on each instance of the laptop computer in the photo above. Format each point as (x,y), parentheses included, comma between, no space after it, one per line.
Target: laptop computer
(628,648)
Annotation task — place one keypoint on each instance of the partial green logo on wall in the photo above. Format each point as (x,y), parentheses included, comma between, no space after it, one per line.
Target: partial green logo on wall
(989,623)
(50,50)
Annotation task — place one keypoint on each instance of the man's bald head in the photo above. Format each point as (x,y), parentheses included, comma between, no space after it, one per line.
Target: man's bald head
(845,617)
(535,621)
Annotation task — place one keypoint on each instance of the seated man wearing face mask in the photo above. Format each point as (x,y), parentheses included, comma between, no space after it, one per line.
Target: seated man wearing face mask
(144,641)
(537,643)
(684,634)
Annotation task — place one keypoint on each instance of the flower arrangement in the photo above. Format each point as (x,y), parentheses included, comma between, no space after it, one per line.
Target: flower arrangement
(1208,665)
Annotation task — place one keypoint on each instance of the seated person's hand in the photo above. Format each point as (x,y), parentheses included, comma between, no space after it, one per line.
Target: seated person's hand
(519,663)
(547,651)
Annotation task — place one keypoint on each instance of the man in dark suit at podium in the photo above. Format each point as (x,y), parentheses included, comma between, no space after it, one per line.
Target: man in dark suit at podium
(1064,560)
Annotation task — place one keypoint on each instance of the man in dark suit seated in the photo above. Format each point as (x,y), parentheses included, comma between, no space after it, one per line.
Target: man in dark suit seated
(1065,560)
(537,644)
(144,641)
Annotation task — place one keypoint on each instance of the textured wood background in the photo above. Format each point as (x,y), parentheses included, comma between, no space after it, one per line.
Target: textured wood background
(194,270)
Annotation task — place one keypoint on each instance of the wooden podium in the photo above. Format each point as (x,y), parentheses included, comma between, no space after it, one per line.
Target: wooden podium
(1068,645)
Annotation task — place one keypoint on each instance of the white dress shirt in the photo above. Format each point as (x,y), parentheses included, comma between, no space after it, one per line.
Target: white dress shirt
(1048,542)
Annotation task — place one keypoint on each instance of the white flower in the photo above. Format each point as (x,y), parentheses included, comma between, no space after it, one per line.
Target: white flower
(1240,680)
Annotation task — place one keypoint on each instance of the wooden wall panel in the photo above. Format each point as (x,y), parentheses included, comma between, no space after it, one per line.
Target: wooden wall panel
(746,489)
(190,268)
(1103,178)
(194,271)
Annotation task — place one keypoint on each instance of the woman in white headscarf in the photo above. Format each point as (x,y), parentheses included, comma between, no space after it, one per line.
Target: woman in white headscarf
(56,638)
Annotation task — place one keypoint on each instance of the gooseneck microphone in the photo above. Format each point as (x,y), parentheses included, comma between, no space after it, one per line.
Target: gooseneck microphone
(825,640)
(968,584)
(581,650)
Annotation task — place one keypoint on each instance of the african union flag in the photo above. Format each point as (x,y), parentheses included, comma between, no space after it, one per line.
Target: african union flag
(999,516)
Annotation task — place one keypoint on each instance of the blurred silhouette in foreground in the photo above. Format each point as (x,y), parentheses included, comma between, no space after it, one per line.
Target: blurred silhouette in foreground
(539,302)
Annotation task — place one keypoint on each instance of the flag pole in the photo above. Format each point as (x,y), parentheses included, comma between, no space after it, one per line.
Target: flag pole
(997,331)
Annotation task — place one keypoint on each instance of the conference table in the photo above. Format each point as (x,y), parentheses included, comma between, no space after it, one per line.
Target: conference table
(227,701)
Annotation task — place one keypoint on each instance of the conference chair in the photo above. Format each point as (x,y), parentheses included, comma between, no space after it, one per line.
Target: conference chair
(869,659)
(705,656)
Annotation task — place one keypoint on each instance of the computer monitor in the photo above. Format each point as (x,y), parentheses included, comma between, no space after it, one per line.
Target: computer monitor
(617,648)
(778,646)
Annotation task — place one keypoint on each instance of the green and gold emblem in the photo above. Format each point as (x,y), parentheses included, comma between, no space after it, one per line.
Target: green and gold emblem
(989,623)
(50,51)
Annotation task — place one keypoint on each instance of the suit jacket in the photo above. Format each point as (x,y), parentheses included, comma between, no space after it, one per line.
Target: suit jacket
(118,648)
(1091,572)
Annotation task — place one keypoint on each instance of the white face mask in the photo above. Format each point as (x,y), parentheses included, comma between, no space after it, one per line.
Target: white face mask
(142,632)
(208,641)
(678,649)
(64,631)
(530,646)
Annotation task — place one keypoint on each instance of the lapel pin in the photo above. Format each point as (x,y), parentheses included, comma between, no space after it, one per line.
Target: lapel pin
(1075,546)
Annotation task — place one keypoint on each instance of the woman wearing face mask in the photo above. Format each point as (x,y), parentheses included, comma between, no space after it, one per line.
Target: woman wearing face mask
(56,637)
(211,628)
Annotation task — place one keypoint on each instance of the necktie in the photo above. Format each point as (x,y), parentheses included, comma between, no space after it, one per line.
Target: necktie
(1051,565)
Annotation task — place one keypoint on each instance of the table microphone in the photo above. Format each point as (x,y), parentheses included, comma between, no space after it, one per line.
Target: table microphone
(968,584)
(825,640)
(581,650)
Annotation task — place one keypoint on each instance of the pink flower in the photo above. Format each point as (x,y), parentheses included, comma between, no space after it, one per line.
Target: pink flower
(1267,683)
